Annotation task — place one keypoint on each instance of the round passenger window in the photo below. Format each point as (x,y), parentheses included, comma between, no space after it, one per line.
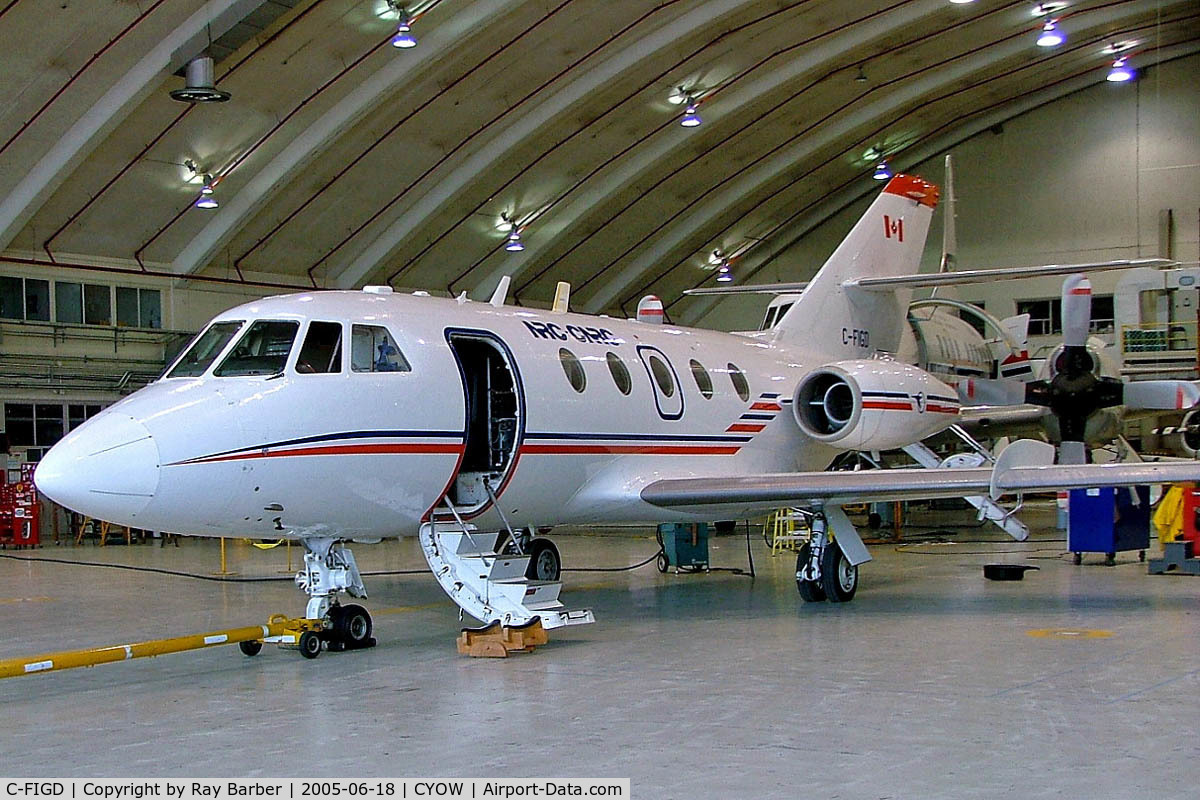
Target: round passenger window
(620,373)
(573,369)
(662,374)
(703,382)
(739,381)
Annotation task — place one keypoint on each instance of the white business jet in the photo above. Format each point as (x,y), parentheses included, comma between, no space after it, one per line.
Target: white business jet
(357,415)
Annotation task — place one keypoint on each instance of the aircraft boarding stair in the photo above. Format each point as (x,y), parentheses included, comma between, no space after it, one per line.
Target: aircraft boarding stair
(988,509)
(488,585)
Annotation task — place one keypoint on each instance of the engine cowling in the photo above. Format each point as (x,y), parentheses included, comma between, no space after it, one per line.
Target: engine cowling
(1186,440)
(872,405)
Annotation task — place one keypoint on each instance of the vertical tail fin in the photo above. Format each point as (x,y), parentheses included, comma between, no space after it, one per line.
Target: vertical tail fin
(840,322)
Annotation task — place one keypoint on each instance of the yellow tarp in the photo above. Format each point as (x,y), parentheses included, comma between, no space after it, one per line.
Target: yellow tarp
(1168,518)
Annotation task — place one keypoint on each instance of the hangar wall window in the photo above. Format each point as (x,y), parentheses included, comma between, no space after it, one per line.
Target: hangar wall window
(24,299)
(205,349)
(41,425)
(1045,316)
(322,350)
(139,308)
(1103,317)
(373,349)
(262,350)
(573,369)
(68,302)
(738,378)
(703,381)
(620,373)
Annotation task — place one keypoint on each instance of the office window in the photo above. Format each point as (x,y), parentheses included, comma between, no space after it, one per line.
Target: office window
(1103,318)
(97,304)
(24,299)
(1045,316)
(68,302)
(138,308)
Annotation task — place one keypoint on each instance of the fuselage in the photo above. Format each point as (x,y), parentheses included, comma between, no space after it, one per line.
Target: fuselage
(354,414)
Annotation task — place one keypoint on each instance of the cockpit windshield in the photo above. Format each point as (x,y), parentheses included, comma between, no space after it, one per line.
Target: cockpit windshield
(262,350)
(205,349)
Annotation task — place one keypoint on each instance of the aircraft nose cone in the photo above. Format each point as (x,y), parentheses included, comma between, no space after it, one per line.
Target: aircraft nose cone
(107,468)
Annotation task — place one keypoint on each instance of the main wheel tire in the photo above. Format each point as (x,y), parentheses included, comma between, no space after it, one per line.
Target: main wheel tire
(839,578)
(251,648)
(310,644)
(810,591)
(353,626)
(545,564)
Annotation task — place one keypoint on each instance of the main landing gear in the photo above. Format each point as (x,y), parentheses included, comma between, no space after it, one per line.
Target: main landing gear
(822,570)
(329,569)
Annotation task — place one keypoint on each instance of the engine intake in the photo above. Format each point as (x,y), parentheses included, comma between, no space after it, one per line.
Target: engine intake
(872,405)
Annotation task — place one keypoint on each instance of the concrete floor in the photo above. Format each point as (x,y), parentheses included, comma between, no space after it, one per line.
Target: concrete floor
(929,685)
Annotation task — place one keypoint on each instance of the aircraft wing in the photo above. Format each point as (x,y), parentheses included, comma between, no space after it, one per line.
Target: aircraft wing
(756,493)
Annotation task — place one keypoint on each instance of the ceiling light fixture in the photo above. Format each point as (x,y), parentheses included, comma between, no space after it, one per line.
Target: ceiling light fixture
(1050,36)
(1119,73)
(513,245)
(961,2)
(206,199)
(690,118)
(1046,9)
(199,84)
(1119,47)
(678,96)
(861,77)
(403,38)
(724,275)
(882,173)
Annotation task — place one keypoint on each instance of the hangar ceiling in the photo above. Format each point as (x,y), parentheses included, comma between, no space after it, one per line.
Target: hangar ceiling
(341,160)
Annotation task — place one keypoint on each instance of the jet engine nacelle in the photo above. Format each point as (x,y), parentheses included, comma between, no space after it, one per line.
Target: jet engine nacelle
(1185,441)
(872,405)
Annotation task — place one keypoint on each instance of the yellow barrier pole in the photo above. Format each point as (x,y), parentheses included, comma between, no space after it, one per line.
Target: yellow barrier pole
(223,570)
(69,659)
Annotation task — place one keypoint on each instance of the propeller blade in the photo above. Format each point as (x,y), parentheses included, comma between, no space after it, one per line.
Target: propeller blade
(1161,395)
(1076,310)
(988,392)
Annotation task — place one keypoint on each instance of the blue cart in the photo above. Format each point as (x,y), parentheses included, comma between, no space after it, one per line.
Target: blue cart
(1108,520)
(683,545)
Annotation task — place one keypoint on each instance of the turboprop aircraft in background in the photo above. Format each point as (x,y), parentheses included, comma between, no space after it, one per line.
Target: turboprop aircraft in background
(356,415)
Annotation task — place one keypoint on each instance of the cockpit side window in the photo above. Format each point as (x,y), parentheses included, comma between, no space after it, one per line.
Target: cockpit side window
(205,349)
(322,349)
(372,349)
(262,350)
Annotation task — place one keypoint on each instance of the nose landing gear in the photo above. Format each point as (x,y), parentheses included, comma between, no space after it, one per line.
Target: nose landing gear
(329,569)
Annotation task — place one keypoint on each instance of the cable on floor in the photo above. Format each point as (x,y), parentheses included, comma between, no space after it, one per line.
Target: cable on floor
(196,575)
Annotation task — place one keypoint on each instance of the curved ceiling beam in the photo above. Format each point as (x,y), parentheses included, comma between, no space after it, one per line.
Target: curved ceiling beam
(676,234)
(518,132)
(359,102)
(90,129)
(633,168)
(760,257)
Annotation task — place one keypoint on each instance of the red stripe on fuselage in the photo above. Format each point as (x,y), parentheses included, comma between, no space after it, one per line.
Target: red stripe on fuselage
(744,427)
(338,450)
(629,449)
(766,407)
(887,405)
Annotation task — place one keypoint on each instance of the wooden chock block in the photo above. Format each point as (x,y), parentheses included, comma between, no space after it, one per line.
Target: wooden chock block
(496,640)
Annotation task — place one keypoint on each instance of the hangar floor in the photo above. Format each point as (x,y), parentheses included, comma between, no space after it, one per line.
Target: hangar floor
(933,683)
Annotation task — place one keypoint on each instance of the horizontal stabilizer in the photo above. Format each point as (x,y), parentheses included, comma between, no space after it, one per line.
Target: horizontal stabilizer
(927,280)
